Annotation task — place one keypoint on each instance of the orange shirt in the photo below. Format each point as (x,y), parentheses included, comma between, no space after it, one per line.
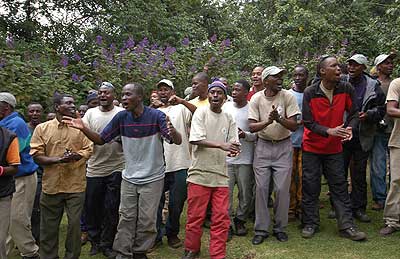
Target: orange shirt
(12,156)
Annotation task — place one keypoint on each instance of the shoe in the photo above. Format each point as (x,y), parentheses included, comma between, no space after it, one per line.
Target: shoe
(230,234)
(353,234)
(84,238)
(258,239)
(139,256)
(240,227)
(94,250)
(281,236)
(308,231)
(361,216)
(174,242)
(387,230)
(377,206)
(109,253)
(190,254)
(332,214)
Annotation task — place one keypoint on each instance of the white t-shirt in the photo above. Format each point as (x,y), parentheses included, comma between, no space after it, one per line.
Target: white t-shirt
(177,157)
(208,166)
(240,116)
(107,158)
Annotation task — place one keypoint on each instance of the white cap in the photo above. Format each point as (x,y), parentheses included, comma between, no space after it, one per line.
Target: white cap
(272,70)
(167,82)
(382,57)
(8,98)
(359,59)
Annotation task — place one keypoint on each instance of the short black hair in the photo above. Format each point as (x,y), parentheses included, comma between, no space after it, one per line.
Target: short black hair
(321,63)
(137,88)
(244,83)
(203,76)
(57,97)
(302,67)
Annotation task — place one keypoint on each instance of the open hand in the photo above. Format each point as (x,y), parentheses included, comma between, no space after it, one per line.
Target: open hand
(174,100)
(74,122)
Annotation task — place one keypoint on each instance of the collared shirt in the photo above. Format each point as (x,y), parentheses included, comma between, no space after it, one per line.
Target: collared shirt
(51,139)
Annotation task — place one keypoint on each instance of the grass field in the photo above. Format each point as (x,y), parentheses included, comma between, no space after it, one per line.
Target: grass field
(325,244)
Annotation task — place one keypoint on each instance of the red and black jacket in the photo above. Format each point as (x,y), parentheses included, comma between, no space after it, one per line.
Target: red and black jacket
(319,115)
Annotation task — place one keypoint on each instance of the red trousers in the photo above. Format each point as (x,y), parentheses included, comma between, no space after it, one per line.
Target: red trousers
(198,199)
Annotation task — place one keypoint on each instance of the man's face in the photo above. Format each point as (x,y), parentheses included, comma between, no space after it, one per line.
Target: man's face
(82,110)
(35,112)
(67,107)
(130,99)
(93,103)
(106,96)
(331,70)
(4,109)
(300,77)
(386,67)
(274,82)
(165,92)
(239,93)
(216,97)
(355,69)
(199,87)
(256,76)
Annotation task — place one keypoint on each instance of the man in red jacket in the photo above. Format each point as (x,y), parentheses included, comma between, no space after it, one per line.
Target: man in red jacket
(324,105)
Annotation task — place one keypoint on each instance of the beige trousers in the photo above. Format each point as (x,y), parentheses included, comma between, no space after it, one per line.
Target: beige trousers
(20,233)
(391,214)
(5,208)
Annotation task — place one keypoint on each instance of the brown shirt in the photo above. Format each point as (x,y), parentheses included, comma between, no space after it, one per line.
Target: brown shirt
(51,139)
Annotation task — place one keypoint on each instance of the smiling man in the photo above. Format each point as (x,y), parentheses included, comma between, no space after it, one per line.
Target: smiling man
(256,79)
(199,89)
(62,151)
(213,135)
(272,114)
(141,130)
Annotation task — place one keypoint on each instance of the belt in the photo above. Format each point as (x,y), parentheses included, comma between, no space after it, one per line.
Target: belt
(275,141)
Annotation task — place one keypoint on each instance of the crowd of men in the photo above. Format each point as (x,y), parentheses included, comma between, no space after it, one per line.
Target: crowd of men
(109,166)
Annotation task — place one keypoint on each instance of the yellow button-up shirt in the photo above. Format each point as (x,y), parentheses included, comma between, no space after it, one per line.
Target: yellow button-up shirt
(51,139)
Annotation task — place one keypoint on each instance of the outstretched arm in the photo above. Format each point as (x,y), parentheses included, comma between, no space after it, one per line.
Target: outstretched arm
(78,124)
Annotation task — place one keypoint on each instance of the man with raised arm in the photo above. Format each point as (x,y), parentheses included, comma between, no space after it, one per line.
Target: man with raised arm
(141,130)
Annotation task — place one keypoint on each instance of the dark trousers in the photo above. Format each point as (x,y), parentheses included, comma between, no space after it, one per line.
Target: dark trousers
(102,202)
(35,218)
(179,196)
(352,151)
(332,168)
(169,182)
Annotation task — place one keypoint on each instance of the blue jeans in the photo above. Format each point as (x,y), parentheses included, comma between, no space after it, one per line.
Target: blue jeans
(378,168)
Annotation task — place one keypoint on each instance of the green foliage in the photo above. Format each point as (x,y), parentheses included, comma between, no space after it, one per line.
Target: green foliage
(264,32)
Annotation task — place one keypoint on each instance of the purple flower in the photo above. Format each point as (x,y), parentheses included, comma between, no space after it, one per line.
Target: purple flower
(212,60)
(185,41)
(168,64)
(95,64)
(169,51)
(130,43)
(64,61)
(306,54)
(345,42)
(226,43)
(75,77)
(213,38)
(76,57)
(99,40)
(129,65)
(113,47)
(144,42)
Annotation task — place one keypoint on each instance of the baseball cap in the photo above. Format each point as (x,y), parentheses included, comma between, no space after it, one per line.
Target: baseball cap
(167,82)
(91,96)
(107,85)
(359,59)
(8,98)
(271,71)
(382,57)
(217,84)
